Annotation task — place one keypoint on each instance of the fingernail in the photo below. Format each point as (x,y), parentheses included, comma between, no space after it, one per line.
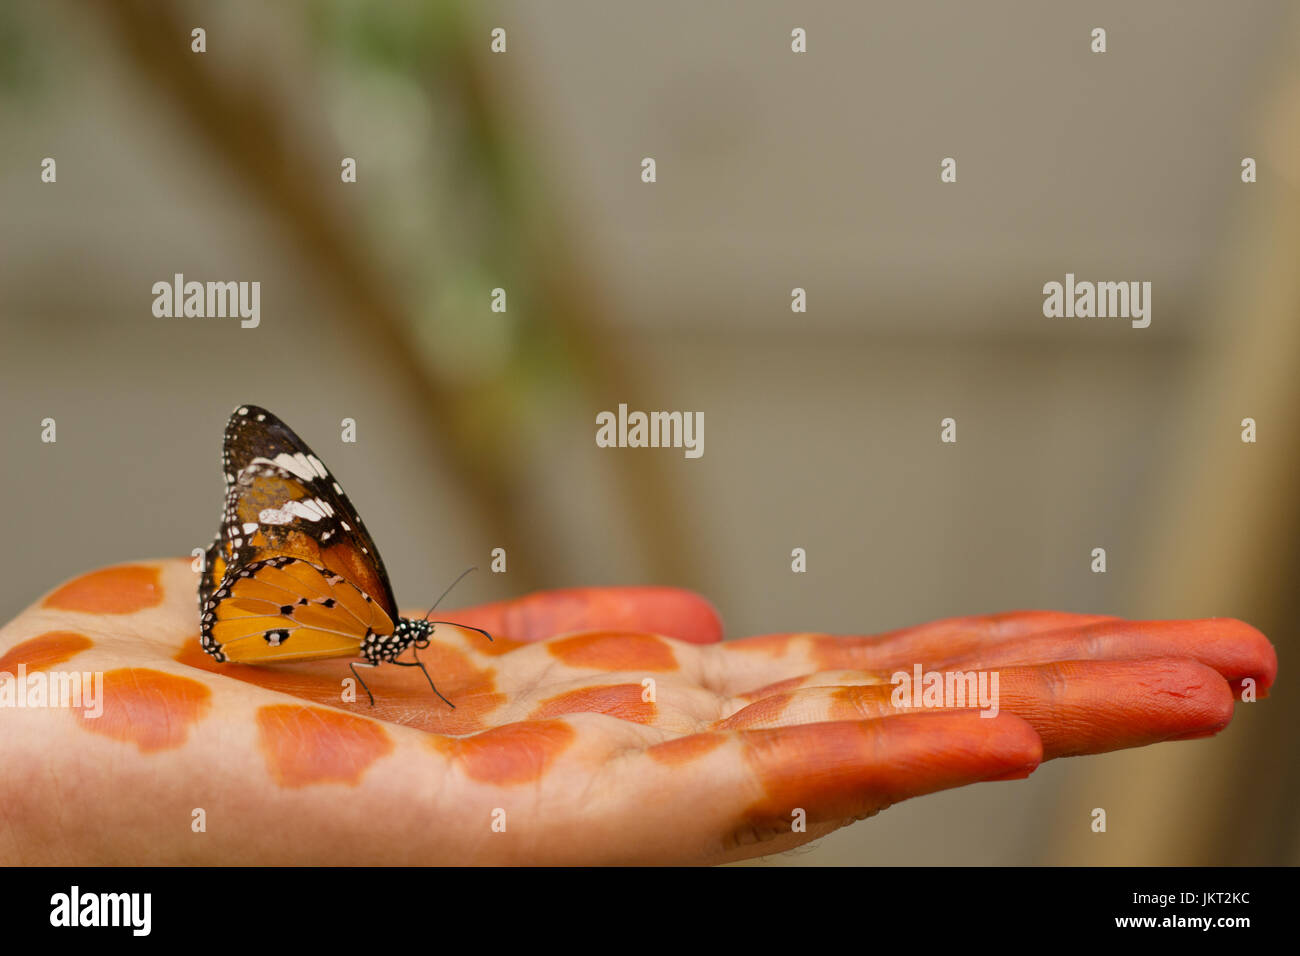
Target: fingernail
(1019,774)
(1198,734)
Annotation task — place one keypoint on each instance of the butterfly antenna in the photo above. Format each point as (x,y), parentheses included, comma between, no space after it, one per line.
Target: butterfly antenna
(448,591)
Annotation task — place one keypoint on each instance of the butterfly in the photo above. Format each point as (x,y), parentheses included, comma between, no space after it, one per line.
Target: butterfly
(293,575)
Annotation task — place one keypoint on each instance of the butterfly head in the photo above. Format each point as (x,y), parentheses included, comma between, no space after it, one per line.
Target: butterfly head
(415,633)
(419,634)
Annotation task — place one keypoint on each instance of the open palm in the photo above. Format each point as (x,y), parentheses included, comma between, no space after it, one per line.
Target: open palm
(601,726)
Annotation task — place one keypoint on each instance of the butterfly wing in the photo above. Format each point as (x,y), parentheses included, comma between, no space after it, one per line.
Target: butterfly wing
(281,500)
(285,609)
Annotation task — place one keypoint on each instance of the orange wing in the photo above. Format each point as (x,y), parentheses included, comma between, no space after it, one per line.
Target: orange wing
(287,609)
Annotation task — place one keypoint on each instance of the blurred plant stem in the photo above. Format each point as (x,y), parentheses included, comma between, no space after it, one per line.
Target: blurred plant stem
(267,146)
(1225,539)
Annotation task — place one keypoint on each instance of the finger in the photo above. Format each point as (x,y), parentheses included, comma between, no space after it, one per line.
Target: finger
(1233,648)
(747,787)
(672,612)
(1077,707)
(753,661)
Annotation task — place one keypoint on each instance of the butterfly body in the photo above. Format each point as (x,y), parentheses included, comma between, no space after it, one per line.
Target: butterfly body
(293,574)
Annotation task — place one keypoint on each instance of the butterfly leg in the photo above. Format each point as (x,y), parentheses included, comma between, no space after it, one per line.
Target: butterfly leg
(353,666)
(420,664)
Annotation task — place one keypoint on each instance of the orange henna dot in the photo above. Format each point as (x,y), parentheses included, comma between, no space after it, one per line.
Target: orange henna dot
(305,745)
(471,688)
(832,653)
(614,651)
(774,645)
(279,678)
(617,700)
(790,683)
(45,650)
(515,753)
(148,708)
(674,753)
(499,645)
(758,714)
(122,590)
(861,702)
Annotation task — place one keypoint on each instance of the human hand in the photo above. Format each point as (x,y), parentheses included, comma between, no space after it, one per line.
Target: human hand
(603,725)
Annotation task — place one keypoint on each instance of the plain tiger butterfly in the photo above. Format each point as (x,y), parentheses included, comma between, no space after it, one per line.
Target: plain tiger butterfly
(293,575)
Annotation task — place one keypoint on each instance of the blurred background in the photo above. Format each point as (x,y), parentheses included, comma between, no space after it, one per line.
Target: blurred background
(475,429)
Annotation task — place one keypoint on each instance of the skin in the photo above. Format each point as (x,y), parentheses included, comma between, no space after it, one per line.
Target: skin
(552,731)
